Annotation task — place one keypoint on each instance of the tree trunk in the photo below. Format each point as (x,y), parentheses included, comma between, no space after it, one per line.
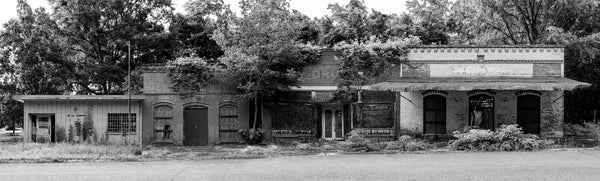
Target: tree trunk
(255,112)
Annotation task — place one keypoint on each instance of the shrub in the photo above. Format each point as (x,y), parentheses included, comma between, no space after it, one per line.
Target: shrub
(408,143)
(586,129)
(505,138)
(42,139)
(260,151)
(87,128)
(356,142)
(61,136)
(71,134)
(252,136)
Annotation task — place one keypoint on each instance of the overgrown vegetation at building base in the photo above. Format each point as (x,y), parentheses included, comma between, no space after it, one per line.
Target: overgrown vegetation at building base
(356,142)
(582,135)
(505,138)
(61,152)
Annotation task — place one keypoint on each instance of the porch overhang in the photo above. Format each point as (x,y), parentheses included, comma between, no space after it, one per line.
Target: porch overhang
(23,98)
(467,84)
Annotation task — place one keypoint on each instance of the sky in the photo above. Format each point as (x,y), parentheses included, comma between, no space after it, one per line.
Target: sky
(312,8)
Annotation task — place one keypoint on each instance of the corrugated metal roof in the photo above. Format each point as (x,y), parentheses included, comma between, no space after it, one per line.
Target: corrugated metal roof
(466,84)
(23,98)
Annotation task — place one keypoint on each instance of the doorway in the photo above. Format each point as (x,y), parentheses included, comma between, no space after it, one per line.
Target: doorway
(481,111)
(43,127)
(195,128)
(333,122)
(528,113)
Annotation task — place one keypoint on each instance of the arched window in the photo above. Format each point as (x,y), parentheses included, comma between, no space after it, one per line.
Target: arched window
(163,119)
(481,111)
(528,113)
(228,123)
(434,114)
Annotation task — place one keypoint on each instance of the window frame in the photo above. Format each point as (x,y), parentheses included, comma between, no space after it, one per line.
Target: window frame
(132,120)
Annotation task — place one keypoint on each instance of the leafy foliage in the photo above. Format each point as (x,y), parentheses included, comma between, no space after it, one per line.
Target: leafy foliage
(408,143)
(61,135)
(585,129)
(189,75)
(252,136)
(356,142)
(82,46)
(505,138)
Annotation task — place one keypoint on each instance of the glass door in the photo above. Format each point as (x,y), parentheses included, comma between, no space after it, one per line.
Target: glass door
(333,122)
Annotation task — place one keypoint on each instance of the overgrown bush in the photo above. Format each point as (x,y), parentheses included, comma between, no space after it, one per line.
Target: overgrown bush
(356,142)
(260,151)
(71,135)
(585,129)
(42,139)
(505,138)
(408,143)
(252,136)
(61,136)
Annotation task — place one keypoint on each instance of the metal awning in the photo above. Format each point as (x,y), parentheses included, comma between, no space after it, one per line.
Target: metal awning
(466,84)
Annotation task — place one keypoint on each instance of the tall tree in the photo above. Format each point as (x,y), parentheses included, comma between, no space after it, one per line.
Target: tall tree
(525,22)
(432,20)
(32,55)
(82,46)
(262,49)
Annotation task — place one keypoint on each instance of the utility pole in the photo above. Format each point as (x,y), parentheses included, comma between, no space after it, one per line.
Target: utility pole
(128,90)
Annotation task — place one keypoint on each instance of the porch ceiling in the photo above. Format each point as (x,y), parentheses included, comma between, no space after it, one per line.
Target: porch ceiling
(466,84)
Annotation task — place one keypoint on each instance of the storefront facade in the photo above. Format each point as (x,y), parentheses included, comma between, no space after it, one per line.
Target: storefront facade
(440,90)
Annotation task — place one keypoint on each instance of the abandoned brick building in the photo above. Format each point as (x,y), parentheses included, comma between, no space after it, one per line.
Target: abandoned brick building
(440,90)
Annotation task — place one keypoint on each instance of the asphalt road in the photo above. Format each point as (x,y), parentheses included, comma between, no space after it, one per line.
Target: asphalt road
(546,165)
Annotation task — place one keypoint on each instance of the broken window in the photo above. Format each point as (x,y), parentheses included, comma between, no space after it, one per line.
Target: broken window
(118,122)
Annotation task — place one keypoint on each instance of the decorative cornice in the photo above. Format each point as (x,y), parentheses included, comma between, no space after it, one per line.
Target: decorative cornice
(485,61)
(528,92)
(490,46)
(434,92)
(486,49)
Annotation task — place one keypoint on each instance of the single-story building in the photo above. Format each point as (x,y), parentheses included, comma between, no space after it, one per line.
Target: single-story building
(46,115)
(439,90)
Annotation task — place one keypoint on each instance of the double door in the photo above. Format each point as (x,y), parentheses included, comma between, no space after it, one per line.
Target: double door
(333,122)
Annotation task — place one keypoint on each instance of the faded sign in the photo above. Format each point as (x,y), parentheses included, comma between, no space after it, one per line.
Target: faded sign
(481,70)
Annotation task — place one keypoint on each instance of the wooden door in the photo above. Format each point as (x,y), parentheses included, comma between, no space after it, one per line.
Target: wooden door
(195,128)
(528,113)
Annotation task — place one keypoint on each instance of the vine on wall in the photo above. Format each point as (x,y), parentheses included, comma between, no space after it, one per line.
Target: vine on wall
(364,62)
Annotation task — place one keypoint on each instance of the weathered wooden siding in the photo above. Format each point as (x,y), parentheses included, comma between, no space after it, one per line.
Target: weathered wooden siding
(99,111)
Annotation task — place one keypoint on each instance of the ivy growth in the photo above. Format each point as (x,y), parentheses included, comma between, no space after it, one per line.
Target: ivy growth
(189,74)
(367,62)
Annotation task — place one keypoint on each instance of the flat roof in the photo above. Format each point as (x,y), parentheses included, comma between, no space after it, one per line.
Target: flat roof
(23,98)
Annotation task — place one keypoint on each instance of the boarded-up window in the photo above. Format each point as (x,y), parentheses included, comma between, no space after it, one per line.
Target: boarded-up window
(118,122)
(228,124)
(293,116)
(434,118)
(163,118)
(374,116)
